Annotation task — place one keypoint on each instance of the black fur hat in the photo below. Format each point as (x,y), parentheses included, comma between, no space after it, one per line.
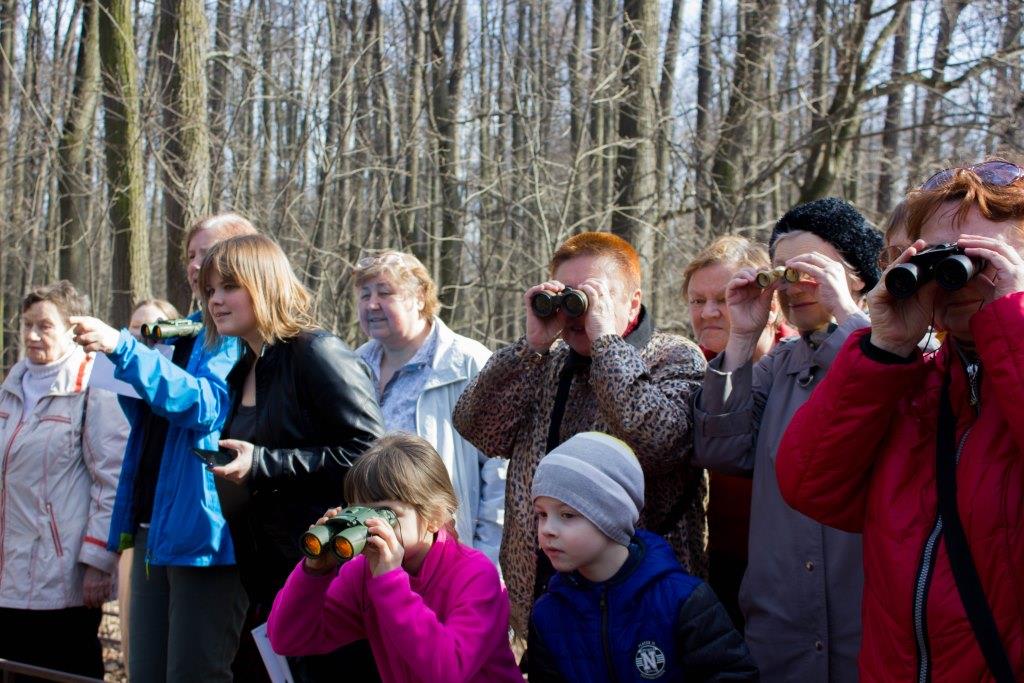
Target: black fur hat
(842,226)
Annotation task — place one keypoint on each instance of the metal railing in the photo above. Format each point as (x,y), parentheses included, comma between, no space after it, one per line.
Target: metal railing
(9,669)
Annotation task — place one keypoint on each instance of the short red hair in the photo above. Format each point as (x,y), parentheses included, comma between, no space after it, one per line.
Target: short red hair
(604,244)
(994,202)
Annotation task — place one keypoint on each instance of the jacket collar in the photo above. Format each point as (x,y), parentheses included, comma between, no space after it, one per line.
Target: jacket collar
(71,378)
(804,361)
(433,562)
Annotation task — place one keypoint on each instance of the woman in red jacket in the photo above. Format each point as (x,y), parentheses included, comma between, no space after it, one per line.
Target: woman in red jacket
(924,454)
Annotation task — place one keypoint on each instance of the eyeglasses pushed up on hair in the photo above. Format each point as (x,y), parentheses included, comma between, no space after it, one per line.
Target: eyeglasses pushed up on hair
(997,172)
(387,259)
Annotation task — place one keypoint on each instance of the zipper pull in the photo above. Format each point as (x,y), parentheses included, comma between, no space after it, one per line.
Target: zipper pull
(972,381)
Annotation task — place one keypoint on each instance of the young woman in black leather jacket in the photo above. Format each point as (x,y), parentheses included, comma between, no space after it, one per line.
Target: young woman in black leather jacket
(303,409)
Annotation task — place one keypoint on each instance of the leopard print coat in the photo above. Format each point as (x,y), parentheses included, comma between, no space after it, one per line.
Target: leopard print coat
(638,389)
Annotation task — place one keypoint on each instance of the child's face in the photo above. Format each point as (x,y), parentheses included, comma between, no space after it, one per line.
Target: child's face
(570,540)
(414,533)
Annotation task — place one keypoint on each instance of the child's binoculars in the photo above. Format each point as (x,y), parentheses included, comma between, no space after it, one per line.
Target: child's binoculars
(572,301)
(344,535)
(162,330)
(947,264)
(766,277)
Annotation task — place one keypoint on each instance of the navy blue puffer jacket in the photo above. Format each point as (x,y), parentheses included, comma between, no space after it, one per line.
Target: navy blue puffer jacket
(651,621)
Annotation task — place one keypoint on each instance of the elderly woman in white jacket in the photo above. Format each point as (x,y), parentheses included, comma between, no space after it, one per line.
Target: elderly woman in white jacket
(420,368)
(61,445)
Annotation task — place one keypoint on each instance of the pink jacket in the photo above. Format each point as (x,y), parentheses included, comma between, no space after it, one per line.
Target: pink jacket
(449,622)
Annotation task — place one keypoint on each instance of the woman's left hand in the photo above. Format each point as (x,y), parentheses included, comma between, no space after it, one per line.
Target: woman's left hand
(833,283)
(237,470)
(1005,268)
(96,586)
(383,551)
(600,316)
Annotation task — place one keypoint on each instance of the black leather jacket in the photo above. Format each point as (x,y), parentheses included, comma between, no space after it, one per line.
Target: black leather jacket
(317,412)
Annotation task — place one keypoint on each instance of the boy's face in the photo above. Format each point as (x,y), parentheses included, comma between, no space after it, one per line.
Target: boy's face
(570,540)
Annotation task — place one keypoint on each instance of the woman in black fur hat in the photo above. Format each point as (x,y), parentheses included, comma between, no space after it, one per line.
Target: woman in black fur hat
(801,592)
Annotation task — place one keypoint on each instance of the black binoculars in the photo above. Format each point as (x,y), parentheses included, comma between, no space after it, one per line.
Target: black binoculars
(572,301)
(947,264)
(345,534)
(162,330)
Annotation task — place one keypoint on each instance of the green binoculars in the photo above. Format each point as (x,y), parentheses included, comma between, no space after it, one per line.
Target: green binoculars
(345,534)
(168,329)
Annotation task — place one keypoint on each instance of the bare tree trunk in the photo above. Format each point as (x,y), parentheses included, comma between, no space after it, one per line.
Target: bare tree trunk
(447,74)
(220,78)
(74,183)
(701,186)
(636,190)
(893,116)
(411,238)
(186,149)
(8,17)
(948,17)
(130,268)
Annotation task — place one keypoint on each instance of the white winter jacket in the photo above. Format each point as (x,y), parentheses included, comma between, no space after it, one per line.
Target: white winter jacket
(479,481)
(59,467)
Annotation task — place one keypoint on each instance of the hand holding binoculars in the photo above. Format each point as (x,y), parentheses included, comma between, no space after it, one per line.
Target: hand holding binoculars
(766,277)
(545,304)
(163,330)
(947,264)
(343,535)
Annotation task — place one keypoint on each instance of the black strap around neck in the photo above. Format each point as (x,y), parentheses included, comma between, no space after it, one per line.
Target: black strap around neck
(573,364)
(965,573)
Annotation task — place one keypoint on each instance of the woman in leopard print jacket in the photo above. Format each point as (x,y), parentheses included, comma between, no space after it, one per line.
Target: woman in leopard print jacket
(610,372)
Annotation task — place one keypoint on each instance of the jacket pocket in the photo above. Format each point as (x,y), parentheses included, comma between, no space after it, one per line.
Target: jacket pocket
(54,533)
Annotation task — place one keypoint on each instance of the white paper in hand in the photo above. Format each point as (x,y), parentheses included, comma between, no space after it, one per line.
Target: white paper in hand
(277,665)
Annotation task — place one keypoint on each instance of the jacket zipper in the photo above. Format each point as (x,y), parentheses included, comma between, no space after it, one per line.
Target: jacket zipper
(53,531)
(921,584)
(3,495)
(604,636)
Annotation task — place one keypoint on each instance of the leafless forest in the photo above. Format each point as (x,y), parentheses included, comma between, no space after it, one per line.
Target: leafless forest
(477,134)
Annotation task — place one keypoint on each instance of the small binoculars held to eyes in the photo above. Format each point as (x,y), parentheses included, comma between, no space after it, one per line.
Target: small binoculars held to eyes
(572,301)
(169,329)
(345,534)
(947,264)
(766,277)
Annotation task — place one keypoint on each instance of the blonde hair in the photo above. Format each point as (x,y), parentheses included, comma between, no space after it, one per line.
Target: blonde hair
(728,250)
(406,468)
(165,307)
(226,224)
(281,305)
(406,271)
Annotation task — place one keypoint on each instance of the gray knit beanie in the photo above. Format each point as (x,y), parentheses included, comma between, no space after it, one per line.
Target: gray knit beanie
(599,476)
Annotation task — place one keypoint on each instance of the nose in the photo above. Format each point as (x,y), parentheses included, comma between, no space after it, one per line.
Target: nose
(33,334)
(711,309)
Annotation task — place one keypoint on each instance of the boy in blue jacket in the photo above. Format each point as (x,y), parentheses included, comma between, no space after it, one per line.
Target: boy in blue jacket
(621,608)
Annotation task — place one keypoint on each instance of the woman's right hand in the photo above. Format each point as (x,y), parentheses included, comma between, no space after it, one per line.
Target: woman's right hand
(326,561)
(749,305)
(897,325)
(541,333)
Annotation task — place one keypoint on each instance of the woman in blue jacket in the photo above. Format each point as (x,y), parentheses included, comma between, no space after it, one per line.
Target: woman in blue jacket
(187,601)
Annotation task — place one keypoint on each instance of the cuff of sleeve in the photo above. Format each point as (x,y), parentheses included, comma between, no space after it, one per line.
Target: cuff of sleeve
(524,353)
(95,554)
(879,355)
(124,340)
(722,390)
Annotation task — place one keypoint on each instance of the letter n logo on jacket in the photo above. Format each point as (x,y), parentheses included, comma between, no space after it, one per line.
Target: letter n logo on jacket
(650,660)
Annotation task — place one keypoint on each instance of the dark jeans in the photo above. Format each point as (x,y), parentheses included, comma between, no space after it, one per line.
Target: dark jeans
(185,621)
(61,639)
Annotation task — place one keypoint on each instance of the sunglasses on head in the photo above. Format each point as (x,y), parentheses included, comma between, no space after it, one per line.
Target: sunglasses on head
(389,259)
(997,172)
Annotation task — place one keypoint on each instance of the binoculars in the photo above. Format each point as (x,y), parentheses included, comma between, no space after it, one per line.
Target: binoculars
(345,534)
(947,264)
(766,277)
(168,329)
(572,301)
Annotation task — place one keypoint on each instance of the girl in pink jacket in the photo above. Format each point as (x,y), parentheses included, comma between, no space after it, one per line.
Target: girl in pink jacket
(431,608)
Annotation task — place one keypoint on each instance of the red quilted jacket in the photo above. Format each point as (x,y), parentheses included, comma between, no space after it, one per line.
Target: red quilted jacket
(860,456)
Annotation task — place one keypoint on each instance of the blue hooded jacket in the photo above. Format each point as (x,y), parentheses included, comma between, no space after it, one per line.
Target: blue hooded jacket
(651,621)
(187,526)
